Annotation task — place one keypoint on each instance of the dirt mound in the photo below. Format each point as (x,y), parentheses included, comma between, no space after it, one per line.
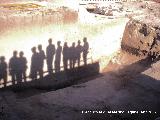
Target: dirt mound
(141,39)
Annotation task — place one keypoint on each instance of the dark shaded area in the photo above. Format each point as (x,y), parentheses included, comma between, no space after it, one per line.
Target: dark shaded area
(58,80)
(132,80)
(130,50)
(91,10)
(154,56)
(138,85)
(144,30)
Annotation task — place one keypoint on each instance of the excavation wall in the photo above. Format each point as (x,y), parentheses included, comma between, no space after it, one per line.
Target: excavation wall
(141,39)
(10,19)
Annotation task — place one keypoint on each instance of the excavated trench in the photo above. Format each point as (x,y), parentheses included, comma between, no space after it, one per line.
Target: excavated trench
(26,34)
(141,42)
(138,40)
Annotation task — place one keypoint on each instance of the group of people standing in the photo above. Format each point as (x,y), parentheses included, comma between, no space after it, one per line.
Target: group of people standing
(18,64)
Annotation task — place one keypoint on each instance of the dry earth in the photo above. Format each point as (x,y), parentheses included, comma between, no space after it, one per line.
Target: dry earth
(129,83)
(127,86)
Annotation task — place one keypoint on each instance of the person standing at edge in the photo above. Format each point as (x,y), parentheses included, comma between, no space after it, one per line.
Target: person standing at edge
(58,57)
(85,50)
(3,70)
(50,52)
(41,56)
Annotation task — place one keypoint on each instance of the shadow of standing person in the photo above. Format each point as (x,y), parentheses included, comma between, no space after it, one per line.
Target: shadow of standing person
(65,55)
(58,56)
(3,70)
(85,50)
(34,64)
(13,67)
(41,56)
(72,55)
(23,65)
(50,52)
(78,52)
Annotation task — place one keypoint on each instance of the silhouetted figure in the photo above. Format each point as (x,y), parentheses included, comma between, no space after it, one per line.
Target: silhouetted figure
(22,66)
(85,50)
(78,52)
(65,56)
(72,57)
(14,68)
(34,64)
(58,57)
(50,52)
(3,70)
(40,61)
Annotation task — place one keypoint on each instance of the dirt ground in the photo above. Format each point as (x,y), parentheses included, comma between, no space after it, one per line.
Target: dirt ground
(129,84)
(123,87)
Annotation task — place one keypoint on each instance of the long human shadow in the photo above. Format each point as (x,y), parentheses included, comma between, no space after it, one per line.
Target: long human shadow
(134,71)
(55,81)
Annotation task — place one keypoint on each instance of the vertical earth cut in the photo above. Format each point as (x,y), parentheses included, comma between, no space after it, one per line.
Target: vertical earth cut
(140,38)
